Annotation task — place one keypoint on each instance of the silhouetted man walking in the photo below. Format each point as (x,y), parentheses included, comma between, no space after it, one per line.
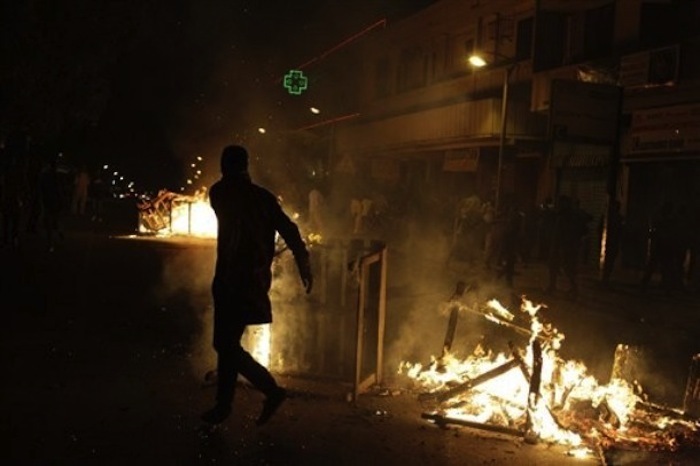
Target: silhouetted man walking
(248,217)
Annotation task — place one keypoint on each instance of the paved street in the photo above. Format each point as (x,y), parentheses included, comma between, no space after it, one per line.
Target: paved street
(105,348)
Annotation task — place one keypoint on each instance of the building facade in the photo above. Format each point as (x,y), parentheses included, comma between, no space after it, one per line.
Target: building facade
(429,124)
(602,101)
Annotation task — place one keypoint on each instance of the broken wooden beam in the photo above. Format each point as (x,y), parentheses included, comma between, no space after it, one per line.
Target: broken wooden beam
(441,397)
(460,288)
(439,419)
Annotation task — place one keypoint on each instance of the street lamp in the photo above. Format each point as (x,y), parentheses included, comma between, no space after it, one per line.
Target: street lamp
(479,62)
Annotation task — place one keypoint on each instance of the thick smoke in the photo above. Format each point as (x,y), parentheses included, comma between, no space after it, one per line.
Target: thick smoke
(185,287)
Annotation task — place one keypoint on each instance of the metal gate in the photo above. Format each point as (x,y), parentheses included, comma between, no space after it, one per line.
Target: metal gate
(339,331)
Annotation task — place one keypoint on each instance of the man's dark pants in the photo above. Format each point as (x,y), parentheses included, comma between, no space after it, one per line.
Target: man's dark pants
(233,359)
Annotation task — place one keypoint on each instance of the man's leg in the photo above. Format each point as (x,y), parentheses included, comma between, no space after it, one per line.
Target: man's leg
(228,349)
(261,379)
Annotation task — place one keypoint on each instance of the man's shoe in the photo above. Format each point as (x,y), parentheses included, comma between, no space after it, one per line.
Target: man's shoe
(217,414)
(270,406)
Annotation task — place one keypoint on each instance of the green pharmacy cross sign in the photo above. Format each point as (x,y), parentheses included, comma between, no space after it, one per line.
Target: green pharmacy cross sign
(295,82)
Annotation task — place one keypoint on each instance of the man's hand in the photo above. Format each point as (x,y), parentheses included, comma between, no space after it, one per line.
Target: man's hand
(308,280)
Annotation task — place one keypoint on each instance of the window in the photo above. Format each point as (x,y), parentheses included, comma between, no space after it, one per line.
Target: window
(412,69)
(550,40)
(599,31)
(662,23)
(523,44)
(381,78)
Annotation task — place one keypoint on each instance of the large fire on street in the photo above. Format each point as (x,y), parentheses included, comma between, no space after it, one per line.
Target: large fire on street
(535,394)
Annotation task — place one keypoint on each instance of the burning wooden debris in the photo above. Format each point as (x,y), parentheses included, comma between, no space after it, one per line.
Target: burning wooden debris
(534,394)
(172,213)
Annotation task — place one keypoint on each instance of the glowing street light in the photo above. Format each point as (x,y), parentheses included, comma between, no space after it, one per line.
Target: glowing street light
(477,61)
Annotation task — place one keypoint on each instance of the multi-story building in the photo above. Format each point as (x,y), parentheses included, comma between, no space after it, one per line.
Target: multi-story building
(601,99)
(429,123)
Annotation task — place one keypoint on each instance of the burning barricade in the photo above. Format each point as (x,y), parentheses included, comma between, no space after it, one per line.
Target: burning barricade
(533,393)
(179,214)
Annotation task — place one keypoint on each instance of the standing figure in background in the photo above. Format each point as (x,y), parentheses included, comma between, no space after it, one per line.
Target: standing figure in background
(546,217)
(466,231)
(98,192)
(661,238)
(12,186)
(613,229)
(249,217)
(81,184)
(356,214)
(10,203)
(360,209)
(50,197)
(693,274)
(569,228)
(510,242)
(491,240)
(316,210)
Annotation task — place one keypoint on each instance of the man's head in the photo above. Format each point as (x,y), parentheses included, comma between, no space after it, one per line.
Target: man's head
(234,159)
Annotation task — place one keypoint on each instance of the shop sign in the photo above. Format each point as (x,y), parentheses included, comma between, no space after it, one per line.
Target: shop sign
(461,160)
(668,129)
(573,155)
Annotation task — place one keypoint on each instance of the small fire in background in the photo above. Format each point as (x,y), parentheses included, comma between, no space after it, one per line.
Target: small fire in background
(194,217)
(183,215)
(534,393)
(177,214)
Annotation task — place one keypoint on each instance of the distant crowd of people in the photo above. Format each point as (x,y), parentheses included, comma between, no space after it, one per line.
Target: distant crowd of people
(554,233)
(673,248)
(37,192)
(558,233)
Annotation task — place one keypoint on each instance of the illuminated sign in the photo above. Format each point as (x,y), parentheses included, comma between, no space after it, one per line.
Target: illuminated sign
(295,82)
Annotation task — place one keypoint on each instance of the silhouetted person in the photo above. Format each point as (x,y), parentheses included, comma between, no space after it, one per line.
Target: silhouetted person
(98,192)
(510,243)
(10,205)
(492,239)
(81,184)
(614,229)
(248,217)
(694,249)
(569,228)
(466,227)
(50,198)
(546,217)
(528,234)
(680,246)
(661,238)
(31,202)
(12,186)
(316,210)
(584,218)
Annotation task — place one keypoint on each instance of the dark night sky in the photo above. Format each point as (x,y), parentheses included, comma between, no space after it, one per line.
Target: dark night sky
(156,83)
